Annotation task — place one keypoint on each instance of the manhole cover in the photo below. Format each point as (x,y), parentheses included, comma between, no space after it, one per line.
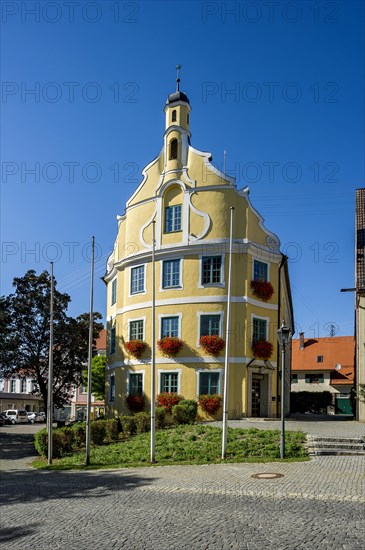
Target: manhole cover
(267,476)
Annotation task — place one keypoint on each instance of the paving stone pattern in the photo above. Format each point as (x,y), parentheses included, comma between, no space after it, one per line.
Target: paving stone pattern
(315,505)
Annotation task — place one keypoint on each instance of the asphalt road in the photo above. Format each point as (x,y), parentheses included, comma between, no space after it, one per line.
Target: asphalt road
(314,505)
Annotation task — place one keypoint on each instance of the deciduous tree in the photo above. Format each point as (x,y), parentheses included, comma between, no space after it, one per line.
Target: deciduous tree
(25,332)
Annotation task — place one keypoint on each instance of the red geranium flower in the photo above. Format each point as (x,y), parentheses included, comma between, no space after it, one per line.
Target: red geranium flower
(136,347)
(210,403)
(168,400)
(135,402)
(262,349)
(212,344)
(169,345)
(262,289)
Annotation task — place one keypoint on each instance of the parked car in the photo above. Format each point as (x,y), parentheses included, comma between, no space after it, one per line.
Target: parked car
(16,416)
(35,417)
(4,419)
(43,415)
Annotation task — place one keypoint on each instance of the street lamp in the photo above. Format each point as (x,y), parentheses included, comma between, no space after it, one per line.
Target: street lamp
(283,335)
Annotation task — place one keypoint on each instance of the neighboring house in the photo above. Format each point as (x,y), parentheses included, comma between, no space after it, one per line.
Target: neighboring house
(325,364)
(360,297)
(16,393)
(188,201)
(79,400)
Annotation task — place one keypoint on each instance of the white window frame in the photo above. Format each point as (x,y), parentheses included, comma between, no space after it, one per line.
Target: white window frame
(162,315)
(171,288)
(222,284)
(200,313)
(113,282)
(23,384)
(263,262)
(181,218)
(267,319)
(172,371)
(110,400)
(137,319)
(13,381)
(144,291)
(113,327)
(205,371)
(135,372)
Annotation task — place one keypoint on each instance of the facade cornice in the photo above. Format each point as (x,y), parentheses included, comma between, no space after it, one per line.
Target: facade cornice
(203,299)
(174,363)
(195,247)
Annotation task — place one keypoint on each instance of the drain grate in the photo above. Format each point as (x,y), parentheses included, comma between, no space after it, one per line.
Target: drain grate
(267,475)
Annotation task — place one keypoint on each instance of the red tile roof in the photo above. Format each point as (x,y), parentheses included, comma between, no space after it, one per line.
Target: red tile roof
(336,350)
(101,341)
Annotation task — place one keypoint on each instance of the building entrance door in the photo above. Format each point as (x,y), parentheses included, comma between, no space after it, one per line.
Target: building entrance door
(256,391)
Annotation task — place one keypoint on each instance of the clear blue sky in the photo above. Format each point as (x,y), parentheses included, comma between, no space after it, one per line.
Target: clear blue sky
(293,129)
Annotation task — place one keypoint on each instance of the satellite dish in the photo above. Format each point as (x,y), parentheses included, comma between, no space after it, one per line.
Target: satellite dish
(338,366)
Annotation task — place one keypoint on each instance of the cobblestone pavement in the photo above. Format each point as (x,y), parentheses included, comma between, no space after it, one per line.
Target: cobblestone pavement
(316,504)
(311,425)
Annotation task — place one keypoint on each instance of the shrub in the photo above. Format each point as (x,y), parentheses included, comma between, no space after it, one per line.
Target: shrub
(170,346)
(79,430)
(210,403)
(41,442)
(167,400)
(192,406)
(119,425)
(136,347)
(62,442)
(143,422)
(262,349)
(128,425)
(57,444)
(135,402)
(160,413)
(181,414)
(97,432)
(111,430)
(262,289)
(65,438)
(212,344)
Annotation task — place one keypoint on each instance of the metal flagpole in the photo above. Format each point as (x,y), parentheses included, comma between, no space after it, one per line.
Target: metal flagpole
(153,349)
(228,326)
(50,374)
(89,362)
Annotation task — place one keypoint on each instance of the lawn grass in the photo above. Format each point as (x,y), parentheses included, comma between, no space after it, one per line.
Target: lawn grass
(187,444)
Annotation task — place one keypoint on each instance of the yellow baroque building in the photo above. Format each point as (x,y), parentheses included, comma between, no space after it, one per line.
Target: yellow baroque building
(188,202)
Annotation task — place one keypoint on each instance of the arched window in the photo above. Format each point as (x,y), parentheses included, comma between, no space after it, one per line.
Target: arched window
(173,117)
(173,149)
(187,118)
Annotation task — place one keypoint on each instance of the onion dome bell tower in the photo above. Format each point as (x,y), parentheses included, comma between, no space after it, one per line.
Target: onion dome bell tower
(177,133)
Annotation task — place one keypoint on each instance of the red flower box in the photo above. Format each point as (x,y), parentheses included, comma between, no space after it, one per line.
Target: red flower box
(136,347)
(135,402)
(262,289)
(210,403)
(169,345)
(212,344)
(262,349)
(168,400)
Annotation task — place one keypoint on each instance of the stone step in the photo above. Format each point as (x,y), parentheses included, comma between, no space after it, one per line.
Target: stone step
(336,440)
(336,452)
(335,446)
(352,447)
